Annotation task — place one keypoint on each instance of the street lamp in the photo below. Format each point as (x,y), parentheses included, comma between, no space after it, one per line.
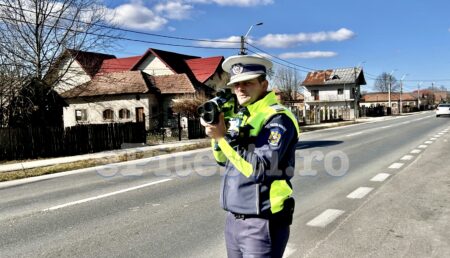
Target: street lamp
(242,52)
(401,91)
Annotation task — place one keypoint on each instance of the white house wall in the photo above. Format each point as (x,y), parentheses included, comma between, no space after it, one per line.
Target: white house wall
(154,66)
(329,93)
(74,76)
(96,106)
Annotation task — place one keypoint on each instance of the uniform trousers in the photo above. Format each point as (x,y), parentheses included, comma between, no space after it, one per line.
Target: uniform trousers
(254,237)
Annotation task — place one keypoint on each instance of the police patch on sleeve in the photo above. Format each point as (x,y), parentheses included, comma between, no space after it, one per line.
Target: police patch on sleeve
(275,136)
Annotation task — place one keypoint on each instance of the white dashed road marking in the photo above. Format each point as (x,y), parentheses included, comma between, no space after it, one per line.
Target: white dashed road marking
(423,146)
(353,134)
(105,195)
(325,218)
(433,139)
(428,142)
(380,177)
(407,157)
(388,126)
(416,151)
(396,165)
(360,193)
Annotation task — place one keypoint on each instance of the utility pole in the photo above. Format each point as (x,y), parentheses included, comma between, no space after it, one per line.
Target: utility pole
(242,52)
(432,92)
(354,96)
(418,95)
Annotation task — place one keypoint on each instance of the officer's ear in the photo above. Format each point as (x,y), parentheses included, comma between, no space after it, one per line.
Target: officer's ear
(265,84)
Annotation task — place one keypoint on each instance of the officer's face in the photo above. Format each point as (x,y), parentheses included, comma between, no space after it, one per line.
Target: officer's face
(250,91)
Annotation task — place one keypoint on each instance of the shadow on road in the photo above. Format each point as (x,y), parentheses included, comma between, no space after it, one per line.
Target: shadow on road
(314,144)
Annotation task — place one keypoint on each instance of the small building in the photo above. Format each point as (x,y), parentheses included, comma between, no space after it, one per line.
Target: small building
(332,94)
(372,100)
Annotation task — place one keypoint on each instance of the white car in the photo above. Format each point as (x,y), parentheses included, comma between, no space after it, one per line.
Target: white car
(443,109)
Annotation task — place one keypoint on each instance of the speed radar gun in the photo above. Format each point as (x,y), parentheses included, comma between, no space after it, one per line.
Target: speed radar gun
(224,102)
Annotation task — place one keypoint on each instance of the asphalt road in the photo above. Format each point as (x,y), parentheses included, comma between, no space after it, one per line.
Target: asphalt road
(169,207)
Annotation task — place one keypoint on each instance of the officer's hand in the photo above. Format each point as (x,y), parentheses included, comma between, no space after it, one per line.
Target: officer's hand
(215,131)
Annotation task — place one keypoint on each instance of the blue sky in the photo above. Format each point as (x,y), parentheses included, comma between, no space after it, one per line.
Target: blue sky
(410,37)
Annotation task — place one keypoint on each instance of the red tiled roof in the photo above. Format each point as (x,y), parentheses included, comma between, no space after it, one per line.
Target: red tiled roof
(127,82)
(173,84)
(336,76)
(317,77)
(119,64)
(204,68)
(89,61)
(383,97)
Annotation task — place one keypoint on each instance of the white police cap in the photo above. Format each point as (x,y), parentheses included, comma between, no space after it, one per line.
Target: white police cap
(244,68)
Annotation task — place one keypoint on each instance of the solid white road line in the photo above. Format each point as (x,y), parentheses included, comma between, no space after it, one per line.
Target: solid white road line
(407,157)
(388,126)
(325,218)
(360,193)
(423,146)
(416,151)
(380,177)
(106,195)
(428,142)
(353,134)
(396,165)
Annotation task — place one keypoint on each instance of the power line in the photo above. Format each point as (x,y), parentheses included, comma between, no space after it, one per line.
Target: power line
(275,57)
(121,38)
(129,30)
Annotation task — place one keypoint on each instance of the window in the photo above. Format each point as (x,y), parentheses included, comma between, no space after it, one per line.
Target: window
(108,114)
(340,91)
(80,115)
(124,114)
(315,94)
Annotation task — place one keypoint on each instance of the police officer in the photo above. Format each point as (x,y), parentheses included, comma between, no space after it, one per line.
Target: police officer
(257,149)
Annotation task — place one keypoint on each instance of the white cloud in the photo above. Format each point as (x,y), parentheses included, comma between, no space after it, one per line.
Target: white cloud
(289,40)
(242,3)
(137,16)
(174,10)
(309,54)
(234,41)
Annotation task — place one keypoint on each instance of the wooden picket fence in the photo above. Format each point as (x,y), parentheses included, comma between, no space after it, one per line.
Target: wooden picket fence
(43,142)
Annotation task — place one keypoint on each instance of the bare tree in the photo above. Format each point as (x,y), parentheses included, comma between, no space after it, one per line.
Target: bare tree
(384,80)
(33,36)
(288,81)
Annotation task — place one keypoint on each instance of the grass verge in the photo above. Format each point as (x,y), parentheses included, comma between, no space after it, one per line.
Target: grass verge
(31,172)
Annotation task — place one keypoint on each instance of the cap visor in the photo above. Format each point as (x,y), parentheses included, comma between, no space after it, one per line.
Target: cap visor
(242,77)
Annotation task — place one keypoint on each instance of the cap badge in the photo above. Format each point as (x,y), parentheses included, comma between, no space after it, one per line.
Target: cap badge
(237,69)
